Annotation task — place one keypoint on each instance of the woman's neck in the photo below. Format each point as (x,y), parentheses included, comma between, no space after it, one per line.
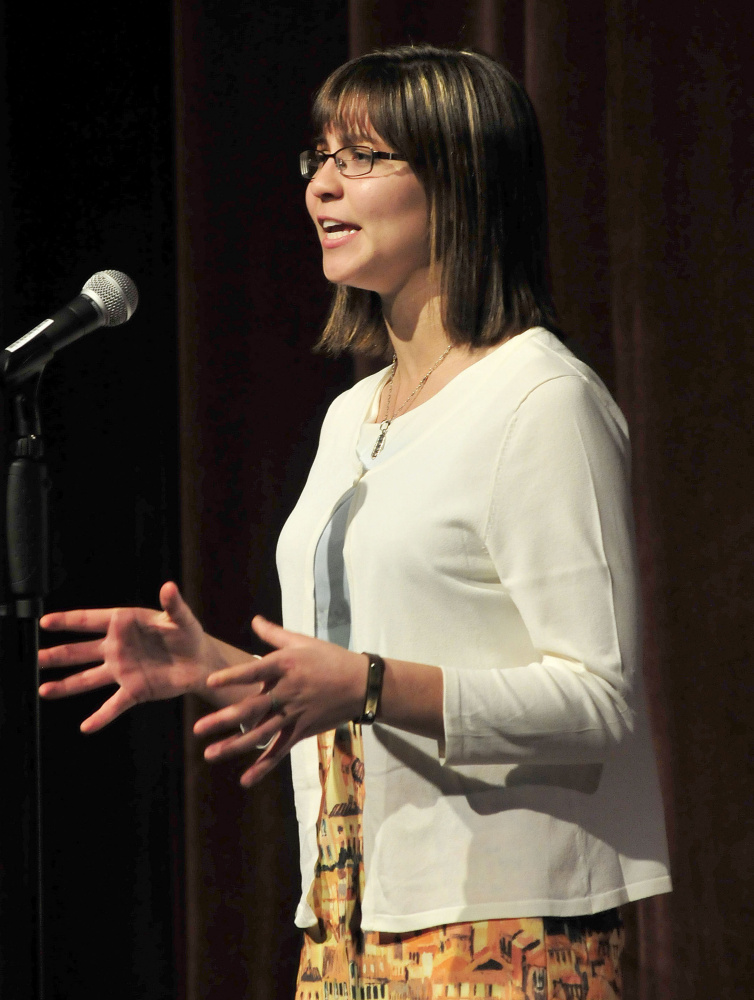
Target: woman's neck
(419,340)
(415,326)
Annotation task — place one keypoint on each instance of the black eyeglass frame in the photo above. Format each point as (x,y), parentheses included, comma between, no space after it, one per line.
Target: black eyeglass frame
(321,156)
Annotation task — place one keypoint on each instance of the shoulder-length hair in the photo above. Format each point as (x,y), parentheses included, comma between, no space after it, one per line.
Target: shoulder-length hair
(468,130)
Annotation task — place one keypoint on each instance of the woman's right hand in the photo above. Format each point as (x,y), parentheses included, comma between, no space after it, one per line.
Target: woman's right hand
(151,655)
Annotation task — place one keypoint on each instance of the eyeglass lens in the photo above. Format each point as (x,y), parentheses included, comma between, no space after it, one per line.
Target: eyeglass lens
(351,161)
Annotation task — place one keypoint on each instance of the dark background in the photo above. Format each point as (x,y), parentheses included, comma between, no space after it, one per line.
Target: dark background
(161,139)
(87,184)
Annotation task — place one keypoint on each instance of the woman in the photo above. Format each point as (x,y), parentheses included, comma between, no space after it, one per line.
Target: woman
(477,793)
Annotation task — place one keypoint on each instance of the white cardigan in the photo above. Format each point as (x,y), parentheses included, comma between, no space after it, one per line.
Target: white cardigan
(493,537)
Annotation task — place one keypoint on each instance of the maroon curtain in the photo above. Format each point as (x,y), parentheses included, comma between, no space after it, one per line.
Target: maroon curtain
(647,121)
(251,298)
(680,227)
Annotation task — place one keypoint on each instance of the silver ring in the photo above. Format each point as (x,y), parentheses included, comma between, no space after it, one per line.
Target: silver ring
(257,746)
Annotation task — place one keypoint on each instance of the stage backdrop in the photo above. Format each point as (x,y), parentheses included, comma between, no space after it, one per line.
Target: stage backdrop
(646,115)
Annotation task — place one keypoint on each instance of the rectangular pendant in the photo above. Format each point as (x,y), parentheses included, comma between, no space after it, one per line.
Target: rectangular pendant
(381,439)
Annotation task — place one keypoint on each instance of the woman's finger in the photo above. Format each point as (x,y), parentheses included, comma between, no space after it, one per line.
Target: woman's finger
(92,620)
(255,671)
(224,718)
(251,711)
(116,705)
(270,758)
(75,654)
(276,635)
(259,738)
(229,747)
(87,680)
(173,604)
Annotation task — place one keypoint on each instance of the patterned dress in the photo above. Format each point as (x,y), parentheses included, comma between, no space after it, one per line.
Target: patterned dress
(549,958)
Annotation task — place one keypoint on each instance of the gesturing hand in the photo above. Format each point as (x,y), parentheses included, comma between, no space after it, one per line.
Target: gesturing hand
(308,687)
(151,655)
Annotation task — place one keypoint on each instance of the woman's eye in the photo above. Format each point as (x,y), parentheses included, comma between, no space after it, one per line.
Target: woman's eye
(360,155)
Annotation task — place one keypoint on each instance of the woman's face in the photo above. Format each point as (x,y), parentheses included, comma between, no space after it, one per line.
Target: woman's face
(374,230)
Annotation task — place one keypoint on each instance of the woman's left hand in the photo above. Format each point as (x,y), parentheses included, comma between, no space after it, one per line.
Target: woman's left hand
(308,687)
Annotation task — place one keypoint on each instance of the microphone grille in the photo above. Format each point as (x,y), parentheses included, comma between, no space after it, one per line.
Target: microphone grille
(116,293)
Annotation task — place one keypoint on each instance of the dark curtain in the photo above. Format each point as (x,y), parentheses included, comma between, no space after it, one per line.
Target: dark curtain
(681,214)
(646,115)
(251,299)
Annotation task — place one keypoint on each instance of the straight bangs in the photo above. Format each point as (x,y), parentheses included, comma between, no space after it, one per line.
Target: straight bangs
(408,105)
(468,131)
(362,101)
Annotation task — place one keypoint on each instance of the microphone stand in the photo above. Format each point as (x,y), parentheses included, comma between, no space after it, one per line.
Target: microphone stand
(23,585)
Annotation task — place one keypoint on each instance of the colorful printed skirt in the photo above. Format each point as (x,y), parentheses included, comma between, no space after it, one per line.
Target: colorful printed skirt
(542,958)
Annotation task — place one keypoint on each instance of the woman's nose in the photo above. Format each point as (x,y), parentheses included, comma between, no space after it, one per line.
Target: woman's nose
(327,182)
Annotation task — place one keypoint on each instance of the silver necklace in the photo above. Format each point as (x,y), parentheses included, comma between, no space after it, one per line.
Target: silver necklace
(385,425)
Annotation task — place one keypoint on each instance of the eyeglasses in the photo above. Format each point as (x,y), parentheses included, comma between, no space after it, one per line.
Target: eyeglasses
(351,161)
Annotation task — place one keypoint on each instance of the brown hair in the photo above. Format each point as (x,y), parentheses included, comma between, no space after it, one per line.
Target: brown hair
(468,130)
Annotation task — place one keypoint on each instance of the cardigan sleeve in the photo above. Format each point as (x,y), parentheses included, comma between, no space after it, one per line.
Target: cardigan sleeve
(559,531)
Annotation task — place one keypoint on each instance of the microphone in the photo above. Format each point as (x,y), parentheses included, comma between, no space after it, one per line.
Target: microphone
(109,298)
